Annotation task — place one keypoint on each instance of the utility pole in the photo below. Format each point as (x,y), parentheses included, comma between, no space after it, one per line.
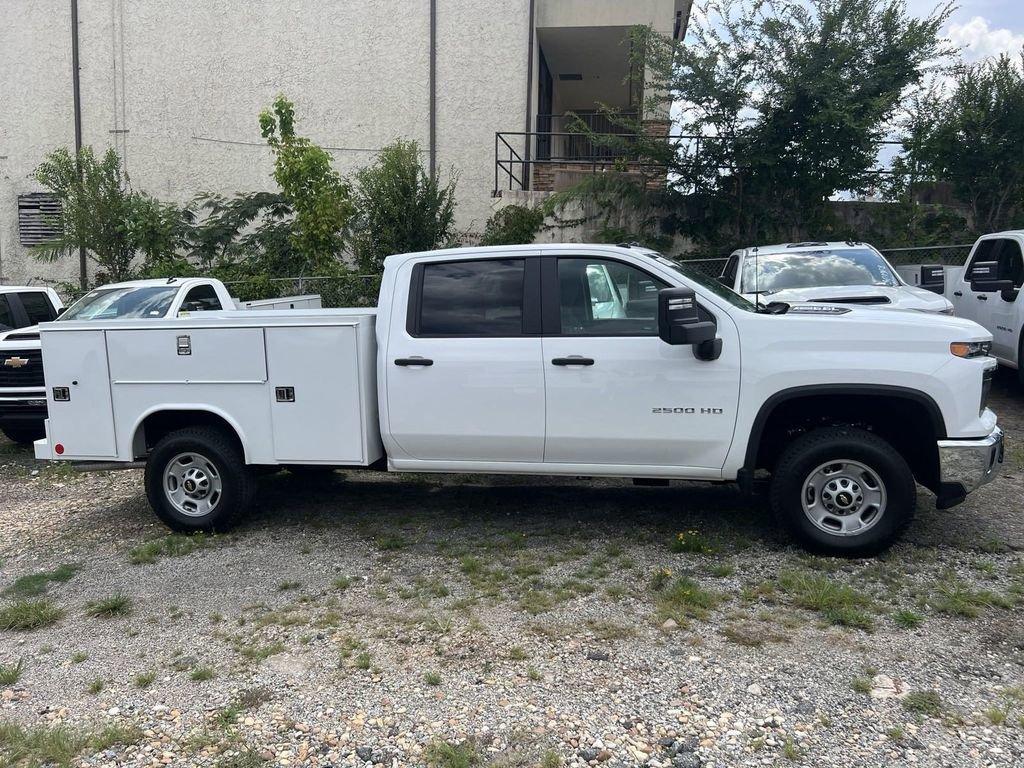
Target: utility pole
(76,91)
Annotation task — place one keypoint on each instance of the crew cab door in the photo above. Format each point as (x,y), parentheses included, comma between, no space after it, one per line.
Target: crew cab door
(616,393)
(465,381)
(998,314)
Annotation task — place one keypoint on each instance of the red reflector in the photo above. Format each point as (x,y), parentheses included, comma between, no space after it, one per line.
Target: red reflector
(58,449)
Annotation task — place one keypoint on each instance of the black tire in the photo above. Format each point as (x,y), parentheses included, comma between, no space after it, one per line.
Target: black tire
(234,477)
(24,435)
(835,444)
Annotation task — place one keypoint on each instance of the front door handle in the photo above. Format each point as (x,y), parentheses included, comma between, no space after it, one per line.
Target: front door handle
(405,362)
(982,297)
(958,293)
(573,361)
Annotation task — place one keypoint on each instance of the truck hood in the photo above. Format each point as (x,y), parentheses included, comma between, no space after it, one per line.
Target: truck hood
(20,338)
(899,297)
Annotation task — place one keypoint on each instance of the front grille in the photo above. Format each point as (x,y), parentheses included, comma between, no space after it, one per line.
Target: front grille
(986,388)
(21,376)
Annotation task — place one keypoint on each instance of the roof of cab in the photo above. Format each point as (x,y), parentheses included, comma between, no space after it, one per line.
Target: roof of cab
(485,251)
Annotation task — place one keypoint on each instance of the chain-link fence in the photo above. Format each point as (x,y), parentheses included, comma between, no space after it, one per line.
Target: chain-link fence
(947,255)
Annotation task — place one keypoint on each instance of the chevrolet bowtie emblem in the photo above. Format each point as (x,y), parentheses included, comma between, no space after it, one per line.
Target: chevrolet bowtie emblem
(15,362)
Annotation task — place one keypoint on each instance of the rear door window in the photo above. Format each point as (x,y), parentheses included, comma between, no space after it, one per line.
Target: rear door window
(202,298)
(37,307)
(471,298)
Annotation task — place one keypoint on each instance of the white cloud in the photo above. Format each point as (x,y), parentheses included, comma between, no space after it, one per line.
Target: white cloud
(978,40)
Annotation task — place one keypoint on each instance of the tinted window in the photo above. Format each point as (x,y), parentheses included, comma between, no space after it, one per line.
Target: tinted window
(202,298)
(472,298)
(1011,263)
(6,315)
(38,308)
(607,298)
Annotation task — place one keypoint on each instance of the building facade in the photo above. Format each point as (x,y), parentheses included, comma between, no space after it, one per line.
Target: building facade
(176,88)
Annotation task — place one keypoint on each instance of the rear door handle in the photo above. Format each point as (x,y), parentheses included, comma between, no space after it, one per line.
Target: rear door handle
(572,361)
(405,362)
(958,293)
(982,297)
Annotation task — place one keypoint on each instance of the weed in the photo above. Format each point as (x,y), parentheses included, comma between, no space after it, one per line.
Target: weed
(432,678)
(40,745)
(202,674)
(109,607)
(752,634)
(722,570)
(257,652)
(25,615)
(908,619)
(686,599)
(111,735)
(693,542)
(955,598)
(11,673)
(342,583)
(144,679)
(516,653)
(533,673)
(247,758)
(96,686)
(391,542)
(791,751)
(996,715)
(896,734)
(837,603)
(444,754)
(36,584)
(287,586)
(551,759)
(861,684)
(173,545)
(78,657)
(923,702)
(660,578)
(363,660)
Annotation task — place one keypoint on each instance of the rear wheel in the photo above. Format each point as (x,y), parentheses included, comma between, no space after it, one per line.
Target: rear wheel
(843,491)
(197,480)
(24,435)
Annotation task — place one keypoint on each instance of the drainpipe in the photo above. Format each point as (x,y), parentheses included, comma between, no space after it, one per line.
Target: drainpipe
(433,87)
(529,96)
(76,95)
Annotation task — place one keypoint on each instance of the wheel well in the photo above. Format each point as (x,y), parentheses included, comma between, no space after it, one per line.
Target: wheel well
(157,425)
(911,425)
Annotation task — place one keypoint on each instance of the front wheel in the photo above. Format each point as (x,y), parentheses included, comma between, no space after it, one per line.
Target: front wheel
(24,434)
(843,491)
(197,480)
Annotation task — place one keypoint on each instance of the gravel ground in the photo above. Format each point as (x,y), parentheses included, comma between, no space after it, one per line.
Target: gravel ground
(405,620)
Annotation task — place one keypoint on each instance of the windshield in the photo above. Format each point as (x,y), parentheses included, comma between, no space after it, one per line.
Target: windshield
(705,281)
(771,272)
(113,303)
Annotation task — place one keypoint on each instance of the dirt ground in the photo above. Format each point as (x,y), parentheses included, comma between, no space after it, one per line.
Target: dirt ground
(411,620)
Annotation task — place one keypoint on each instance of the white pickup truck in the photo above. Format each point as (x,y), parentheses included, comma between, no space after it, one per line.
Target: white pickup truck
(22,391)
(987,290)
(502,360)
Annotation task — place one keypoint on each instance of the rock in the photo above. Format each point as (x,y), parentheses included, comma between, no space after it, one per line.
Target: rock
(364,753)
(670,625)
(686,760)
(589,754)
(754,689)
(598,655)
(885,687)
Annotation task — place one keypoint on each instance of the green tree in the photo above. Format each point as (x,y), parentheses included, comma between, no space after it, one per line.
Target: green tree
(790,100)
(973,138)
(319,198)
(402,208)
(102,214)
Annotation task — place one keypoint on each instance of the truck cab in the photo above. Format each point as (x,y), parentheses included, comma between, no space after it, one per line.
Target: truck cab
(987,290)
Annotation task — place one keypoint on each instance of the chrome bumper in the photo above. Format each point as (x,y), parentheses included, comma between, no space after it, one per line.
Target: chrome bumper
(971,463)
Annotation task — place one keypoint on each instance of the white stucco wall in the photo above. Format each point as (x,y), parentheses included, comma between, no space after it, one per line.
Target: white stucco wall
(177,88)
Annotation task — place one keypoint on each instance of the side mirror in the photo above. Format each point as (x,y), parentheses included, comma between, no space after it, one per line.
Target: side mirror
(933,278)
(679,323)
(983,278)
(1009,294)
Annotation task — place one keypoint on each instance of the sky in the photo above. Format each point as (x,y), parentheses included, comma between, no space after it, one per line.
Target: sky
(981,27)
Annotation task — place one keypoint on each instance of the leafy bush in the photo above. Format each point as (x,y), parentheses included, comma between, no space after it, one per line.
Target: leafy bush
(513,225)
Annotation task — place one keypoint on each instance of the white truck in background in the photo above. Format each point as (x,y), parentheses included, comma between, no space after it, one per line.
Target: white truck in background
(504,360)
(22,392)
(987,290)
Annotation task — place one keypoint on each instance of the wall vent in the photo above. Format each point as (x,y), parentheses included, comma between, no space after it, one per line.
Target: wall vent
(38,218)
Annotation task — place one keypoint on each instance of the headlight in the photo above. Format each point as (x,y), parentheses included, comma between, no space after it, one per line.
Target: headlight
(970,348)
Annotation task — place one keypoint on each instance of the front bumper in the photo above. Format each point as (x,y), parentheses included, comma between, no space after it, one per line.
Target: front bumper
(22,408)
(966,465)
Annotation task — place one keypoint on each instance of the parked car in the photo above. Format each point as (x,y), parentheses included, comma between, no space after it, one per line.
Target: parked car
(499,360)
(987,290)
(22,392)
(837,273)
(21,306)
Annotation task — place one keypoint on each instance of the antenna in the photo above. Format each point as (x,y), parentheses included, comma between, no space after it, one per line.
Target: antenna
(757,280)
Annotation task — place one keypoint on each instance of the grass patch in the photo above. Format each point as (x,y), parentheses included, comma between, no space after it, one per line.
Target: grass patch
(173,545)
(247,758)
(25,615)
(39,745)
(78,657)
(837,603)
(109,607)
(288,586)
(342,583)
(96,686)
(908,619)
(112,735)
(432,678)
(861,685)
(692,542)
(11,673)
(684,599)
(955,598)
(257,652)
(444,754)
(363,660)
(752,634)
(391,543)
(36,584)
(144,679)
(997,715)
(202,674)
(927,703)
